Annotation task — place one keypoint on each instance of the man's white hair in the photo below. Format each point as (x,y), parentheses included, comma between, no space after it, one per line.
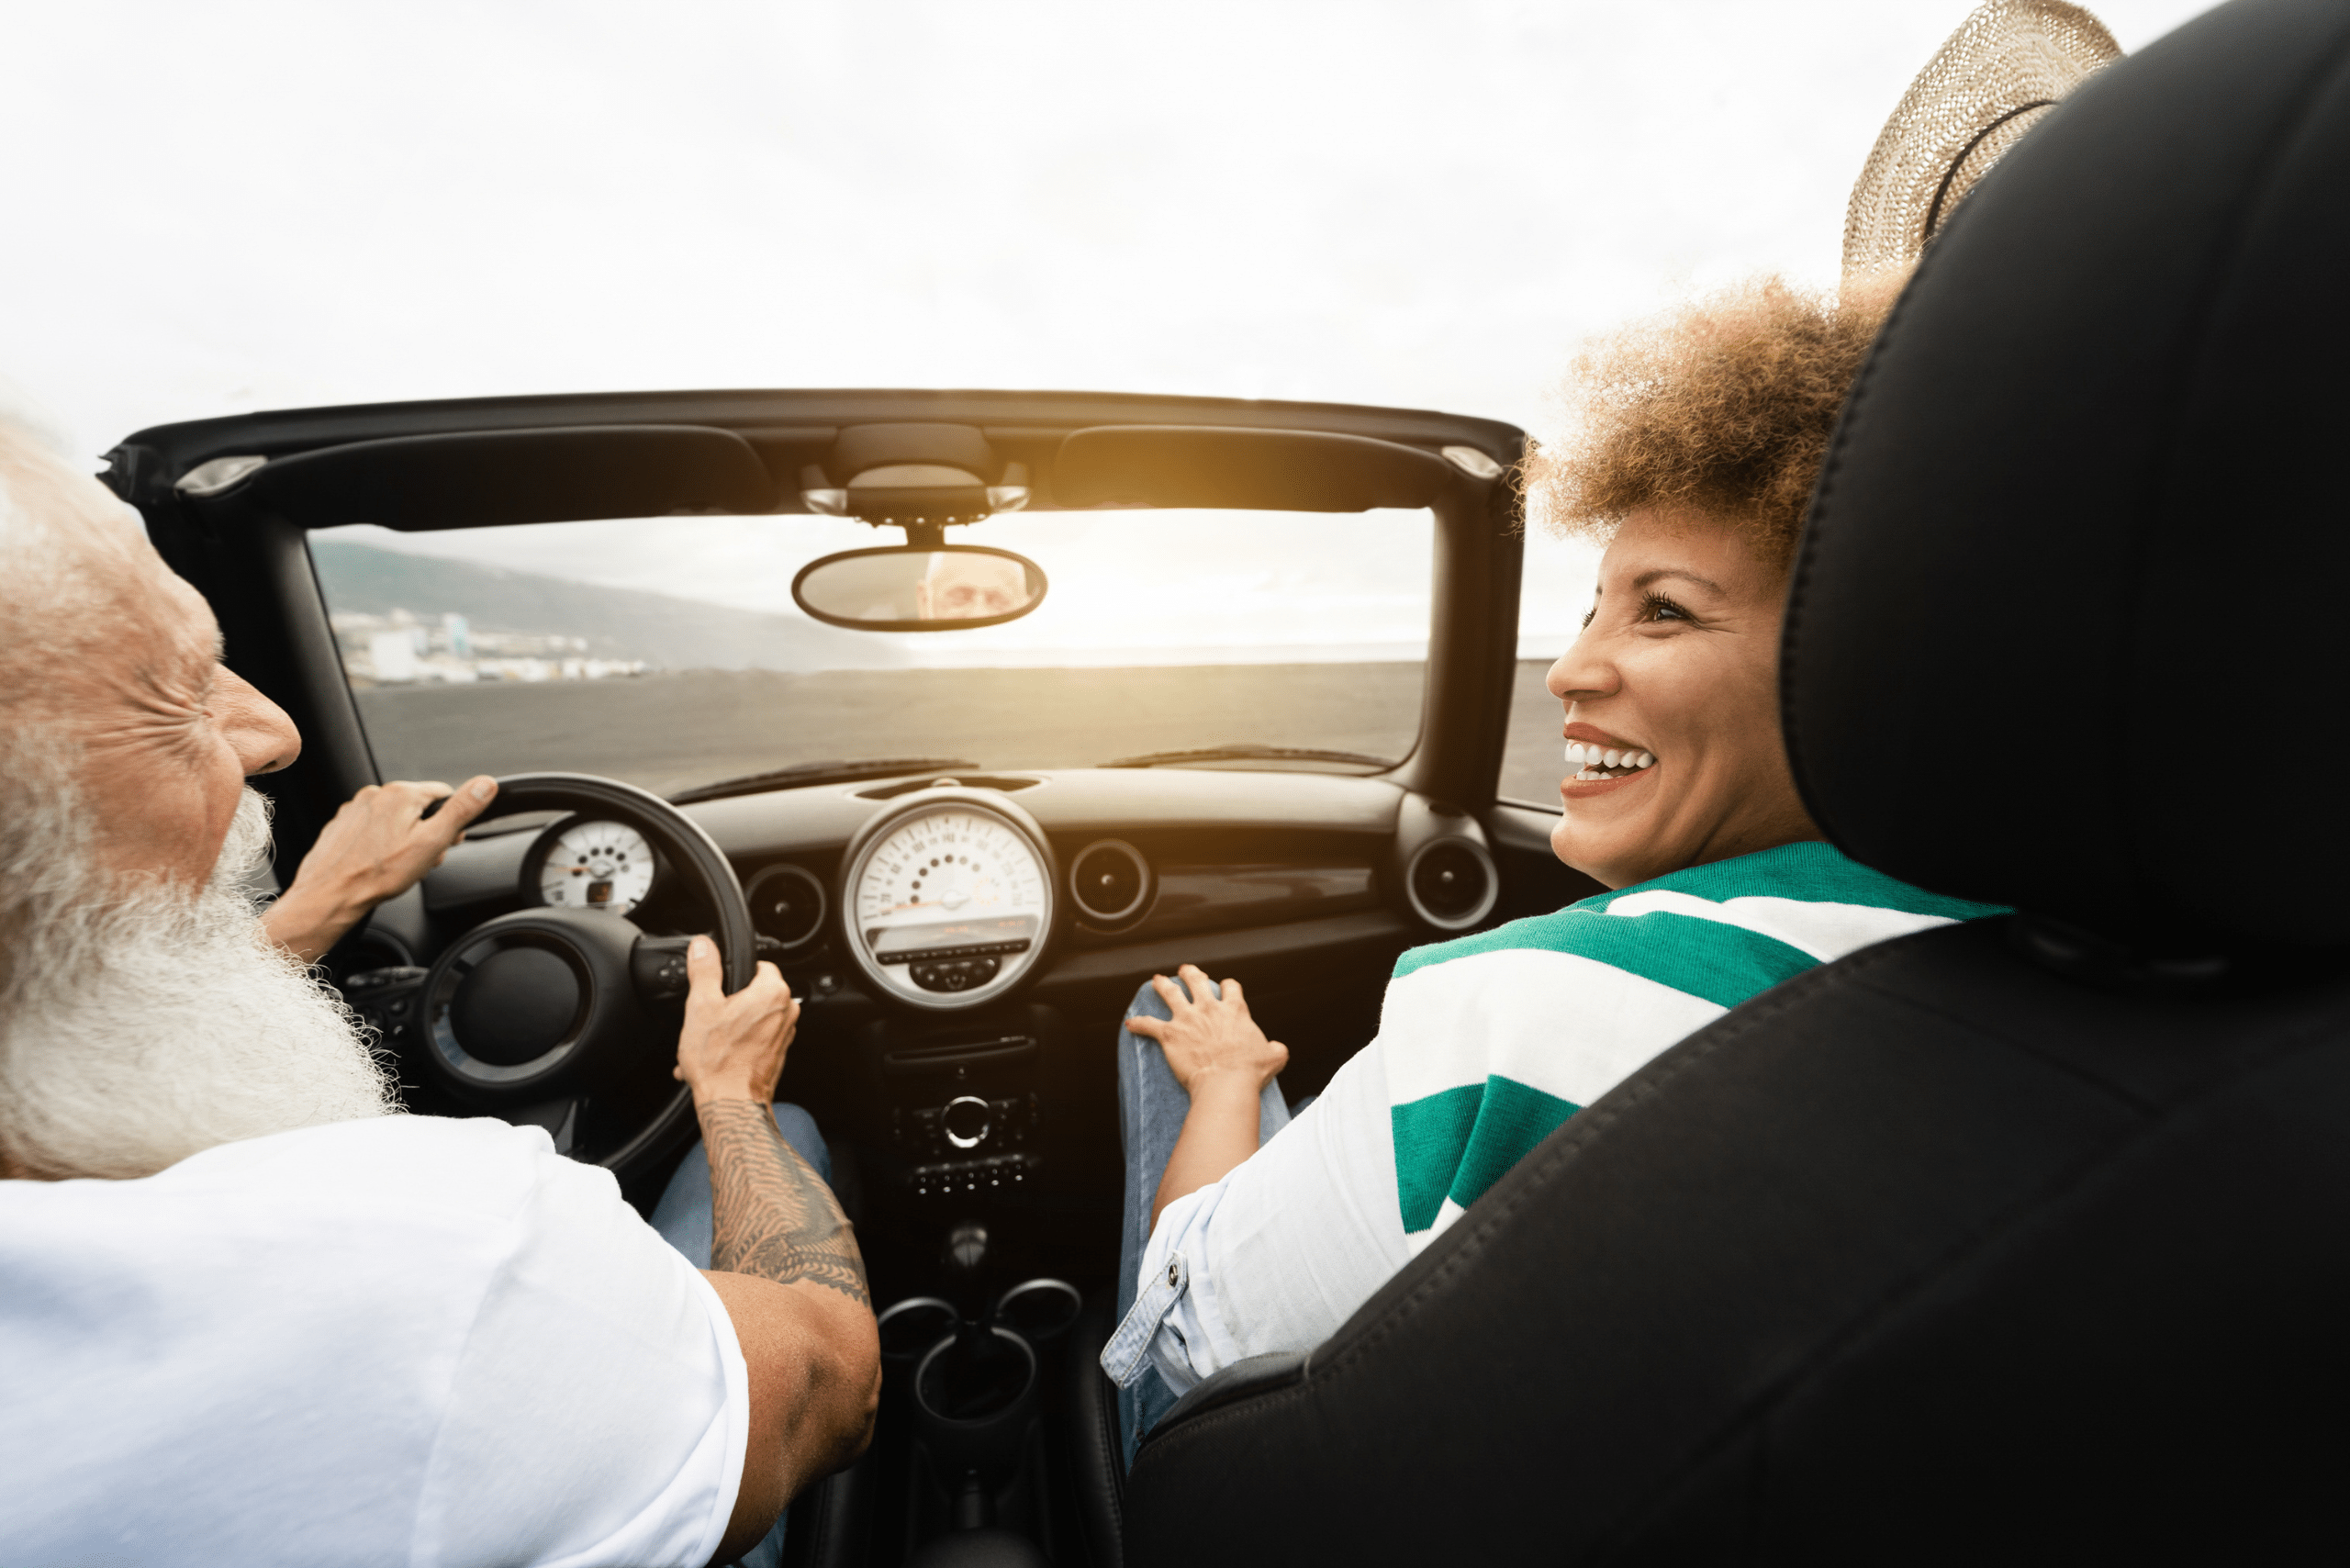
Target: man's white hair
(139,1022)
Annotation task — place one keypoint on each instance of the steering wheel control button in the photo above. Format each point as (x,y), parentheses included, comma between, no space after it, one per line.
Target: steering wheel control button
(657,965)
(386,1002)
(371,983)
(517,1004)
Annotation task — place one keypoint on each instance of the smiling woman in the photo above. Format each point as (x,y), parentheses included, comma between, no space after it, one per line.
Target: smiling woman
(1672,712)
(1700,440)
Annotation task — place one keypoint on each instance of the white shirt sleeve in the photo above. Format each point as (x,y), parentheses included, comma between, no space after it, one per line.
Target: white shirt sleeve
(599,1411)
(1282,1251)
(408,1342)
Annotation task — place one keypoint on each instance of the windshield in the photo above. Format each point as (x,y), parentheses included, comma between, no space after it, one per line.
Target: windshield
(667,652)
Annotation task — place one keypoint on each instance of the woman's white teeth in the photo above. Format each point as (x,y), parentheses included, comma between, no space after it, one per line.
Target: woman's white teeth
(1591,759)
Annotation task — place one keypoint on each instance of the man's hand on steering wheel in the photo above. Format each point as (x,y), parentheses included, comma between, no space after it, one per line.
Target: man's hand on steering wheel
(732,1048)
(378,846)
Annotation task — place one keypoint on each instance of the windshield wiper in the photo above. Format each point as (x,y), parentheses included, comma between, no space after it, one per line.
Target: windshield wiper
(833,772)
(1246,753)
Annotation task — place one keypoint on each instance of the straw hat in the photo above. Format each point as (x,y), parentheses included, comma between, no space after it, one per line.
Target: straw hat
(2007,65)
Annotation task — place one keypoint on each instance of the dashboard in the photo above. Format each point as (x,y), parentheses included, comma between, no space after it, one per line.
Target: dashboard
(940,896)
(947,904)
(964,947)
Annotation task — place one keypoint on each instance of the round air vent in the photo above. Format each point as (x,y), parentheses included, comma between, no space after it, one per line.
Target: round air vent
(1451,884)
(1109,881)
(787,904)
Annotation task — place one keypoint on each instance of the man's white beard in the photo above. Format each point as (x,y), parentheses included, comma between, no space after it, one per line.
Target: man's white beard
(141,1025)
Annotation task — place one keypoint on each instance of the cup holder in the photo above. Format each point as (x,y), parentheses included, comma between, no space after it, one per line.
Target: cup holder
(1039,1309)
(962,1383)
(975,1379)
(975,1394)
(913,1325)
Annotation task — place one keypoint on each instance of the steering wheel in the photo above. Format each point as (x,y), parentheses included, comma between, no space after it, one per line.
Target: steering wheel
(567,1018)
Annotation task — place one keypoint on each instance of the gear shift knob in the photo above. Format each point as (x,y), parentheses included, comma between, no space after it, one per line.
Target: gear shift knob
(966,1249)
(967,1257)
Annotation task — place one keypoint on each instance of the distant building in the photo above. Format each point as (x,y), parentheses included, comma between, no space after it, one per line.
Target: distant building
(391,655)
(404,649)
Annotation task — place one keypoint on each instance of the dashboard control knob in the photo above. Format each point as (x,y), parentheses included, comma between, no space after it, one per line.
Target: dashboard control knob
(967,1120)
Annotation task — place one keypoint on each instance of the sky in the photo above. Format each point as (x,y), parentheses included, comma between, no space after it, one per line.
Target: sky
(256,204)
(1129,587)
(251,203)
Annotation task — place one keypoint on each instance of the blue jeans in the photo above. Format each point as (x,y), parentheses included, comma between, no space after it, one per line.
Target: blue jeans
(687,1221)
(1151,1107)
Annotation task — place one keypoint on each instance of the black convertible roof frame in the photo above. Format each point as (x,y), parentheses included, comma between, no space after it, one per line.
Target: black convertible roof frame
(473,462)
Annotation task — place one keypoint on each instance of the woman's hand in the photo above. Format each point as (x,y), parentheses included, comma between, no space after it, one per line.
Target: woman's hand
(732,1047)
(378,846)
(1223,1062)
(1211,1040)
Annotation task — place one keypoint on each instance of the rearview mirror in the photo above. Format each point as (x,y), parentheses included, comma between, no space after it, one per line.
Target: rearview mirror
(910,588)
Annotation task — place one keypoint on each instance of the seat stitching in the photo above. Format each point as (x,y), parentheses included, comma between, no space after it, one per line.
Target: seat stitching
(2067,1069)
(1593,1124)
(2223,279)
(2004,1224)
(1587,1126)
(1106,1435)
(2001,1226)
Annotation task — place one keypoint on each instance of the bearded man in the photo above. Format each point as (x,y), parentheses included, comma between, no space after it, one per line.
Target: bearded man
(248,1311)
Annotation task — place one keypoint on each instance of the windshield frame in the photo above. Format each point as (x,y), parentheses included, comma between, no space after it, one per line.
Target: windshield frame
(245,552)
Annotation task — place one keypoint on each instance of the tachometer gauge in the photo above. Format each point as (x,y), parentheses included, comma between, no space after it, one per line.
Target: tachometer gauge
(597,865)
(948,903)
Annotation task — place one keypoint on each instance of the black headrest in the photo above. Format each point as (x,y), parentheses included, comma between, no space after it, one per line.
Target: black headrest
(2070,627)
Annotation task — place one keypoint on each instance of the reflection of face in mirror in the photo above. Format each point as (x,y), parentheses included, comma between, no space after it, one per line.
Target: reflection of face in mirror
(964,586)
(919,589)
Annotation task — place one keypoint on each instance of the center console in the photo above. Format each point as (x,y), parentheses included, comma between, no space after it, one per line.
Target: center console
(965,1105)
(967,1371)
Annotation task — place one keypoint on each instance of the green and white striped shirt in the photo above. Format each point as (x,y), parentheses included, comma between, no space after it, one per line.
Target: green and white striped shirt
(1485,1046)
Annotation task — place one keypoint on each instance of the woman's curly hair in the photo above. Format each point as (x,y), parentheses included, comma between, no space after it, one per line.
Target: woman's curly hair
(1723,407)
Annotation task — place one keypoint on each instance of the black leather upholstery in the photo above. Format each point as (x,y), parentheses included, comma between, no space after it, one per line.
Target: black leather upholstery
(2067,533)
(2019,1239)
(1929,1255)
(1247,1378)
(1097,1462)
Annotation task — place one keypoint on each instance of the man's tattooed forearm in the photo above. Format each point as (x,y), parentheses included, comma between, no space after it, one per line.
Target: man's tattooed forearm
(774,1217)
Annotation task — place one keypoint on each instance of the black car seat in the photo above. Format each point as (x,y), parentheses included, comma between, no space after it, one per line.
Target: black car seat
(2020,1240)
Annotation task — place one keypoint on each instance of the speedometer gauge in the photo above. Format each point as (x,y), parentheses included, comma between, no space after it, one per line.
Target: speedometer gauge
(597,865)
(948,903)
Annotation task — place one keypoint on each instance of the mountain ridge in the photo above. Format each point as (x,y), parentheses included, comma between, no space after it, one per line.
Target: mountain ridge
(664,631)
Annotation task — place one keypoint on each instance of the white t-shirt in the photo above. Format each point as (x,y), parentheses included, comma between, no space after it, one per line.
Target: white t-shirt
(409,1341)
